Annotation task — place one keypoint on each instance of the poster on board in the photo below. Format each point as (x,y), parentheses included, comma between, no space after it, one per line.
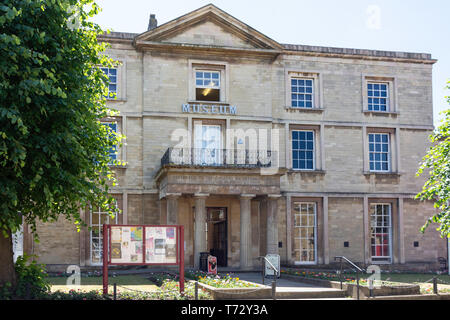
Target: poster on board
(126,244)
(160,245)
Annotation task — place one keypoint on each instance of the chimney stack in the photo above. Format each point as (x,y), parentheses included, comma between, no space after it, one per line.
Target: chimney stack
(153,23)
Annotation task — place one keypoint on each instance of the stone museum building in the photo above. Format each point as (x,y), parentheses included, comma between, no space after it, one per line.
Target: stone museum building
(258,147)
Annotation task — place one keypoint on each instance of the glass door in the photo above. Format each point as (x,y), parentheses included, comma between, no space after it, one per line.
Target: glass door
(381,232)
(305,233)
(97,219)
(207,146)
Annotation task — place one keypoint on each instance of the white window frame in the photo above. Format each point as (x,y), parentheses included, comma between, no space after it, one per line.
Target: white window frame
(203,86)
(392,102)
(206,159)
(209,66)
(100,236)
(299,203)
(389,153)
(388,95)
(312,93)
(117,154)
(18,242)
(314,149)
(316,77)
(108,97)
(381,259)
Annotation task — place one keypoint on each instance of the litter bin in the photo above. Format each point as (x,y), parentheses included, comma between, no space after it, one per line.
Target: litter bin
(204,261)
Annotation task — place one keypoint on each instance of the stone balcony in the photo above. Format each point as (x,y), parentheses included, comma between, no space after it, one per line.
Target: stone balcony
(218,171)
(217,158)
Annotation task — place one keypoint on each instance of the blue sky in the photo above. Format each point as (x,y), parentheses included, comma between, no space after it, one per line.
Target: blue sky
(394,25)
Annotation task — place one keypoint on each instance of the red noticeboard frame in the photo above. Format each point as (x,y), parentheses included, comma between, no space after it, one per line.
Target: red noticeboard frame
(107,252)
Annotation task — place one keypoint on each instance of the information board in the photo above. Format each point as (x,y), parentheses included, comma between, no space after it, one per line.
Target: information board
(143,245)
(127,245)
(160,245)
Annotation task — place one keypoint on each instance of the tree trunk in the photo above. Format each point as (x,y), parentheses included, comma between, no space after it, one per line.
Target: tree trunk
(7,272)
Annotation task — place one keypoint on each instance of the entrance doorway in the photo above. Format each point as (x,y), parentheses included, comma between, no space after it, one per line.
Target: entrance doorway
(217,234)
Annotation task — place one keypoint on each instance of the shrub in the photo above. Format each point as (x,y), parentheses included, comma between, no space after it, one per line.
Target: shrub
(32,279)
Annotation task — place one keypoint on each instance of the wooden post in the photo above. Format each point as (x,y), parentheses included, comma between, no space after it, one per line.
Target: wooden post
(105,259)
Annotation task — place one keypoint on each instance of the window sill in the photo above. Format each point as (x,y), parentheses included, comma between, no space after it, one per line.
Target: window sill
(311,172)
(311,110)
(115,166)
(381,262)
(369,173)
(116,100)
(381,113)
(208,102)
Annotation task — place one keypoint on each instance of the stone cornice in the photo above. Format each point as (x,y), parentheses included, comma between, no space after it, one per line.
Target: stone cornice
(142,45)
(300,50)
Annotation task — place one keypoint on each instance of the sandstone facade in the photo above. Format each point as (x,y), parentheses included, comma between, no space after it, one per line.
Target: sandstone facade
(157,77)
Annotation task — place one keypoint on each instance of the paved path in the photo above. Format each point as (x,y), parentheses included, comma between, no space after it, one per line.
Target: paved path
(283,285)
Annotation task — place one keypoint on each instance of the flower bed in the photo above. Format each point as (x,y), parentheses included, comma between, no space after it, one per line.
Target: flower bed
(217,281)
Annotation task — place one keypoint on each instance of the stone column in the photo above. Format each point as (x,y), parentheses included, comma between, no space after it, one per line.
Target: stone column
(326,246)
(272,224)
(367,248)
(200,227)
(172,208)
(246,232)
(401,231)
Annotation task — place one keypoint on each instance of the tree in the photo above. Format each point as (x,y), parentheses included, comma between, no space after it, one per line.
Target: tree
(54,152)
(437,187)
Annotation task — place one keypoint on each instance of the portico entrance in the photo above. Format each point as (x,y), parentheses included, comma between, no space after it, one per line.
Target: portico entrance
(217,234)
(229,211)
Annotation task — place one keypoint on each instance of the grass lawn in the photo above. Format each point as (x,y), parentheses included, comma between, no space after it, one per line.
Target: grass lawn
(134,282)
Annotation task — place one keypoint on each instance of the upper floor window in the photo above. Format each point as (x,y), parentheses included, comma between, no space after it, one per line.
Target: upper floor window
(378,96)
(303,150)
(113,130)
(379,152)
(302,91)
(112,86)
(207,85)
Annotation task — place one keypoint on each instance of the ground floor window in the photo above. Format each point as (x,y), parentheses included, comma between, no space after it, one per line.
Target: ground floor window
(305,232)
(17,241)
(97,219)
(381,232)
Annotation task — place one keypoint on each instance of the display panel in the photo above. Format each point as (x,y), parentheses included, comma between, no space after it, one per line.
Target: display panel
(160,245)
(126,245)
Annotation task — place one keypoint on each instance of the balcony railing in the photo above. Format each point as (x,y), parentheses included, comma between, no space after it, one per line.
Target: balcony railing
(192,157)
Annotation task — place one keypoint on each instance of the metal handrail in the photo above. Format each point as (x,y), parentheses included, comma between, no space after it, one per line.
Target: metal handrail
(234,158)
(349,262)
(275,274)
(270,264)
(358,270)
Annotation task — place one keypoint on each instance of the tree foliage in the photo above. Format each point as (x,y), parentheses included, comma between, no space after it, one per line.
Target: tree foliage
(437,162)
(54,152)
